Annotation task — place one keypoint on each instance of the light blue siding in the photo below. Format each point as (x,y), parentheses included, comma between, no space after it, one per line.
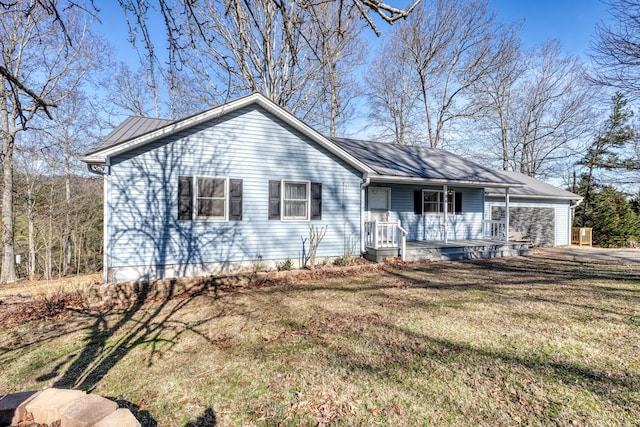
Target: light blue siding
(249,144)
(467,225)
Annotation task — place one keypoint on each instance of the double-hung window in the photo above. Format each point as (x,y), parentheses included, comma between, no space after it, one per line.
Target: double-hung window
(291,200)
(432,202)
(295,200)
(209,198)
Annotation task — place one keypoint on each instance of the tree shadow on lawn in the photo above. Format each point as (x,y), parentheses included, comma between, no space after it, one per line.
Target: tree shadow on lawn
(399,352)
(113,334)
(507,278)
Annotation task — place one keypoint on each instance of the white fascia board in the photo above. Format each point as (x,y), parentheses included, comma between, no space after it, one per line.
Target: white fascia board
(214,113)
(424,181)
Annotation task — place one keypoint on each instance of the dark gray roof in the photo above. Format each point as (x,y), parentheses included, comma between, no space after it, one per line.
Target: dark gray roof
(409,161)
(132,127)
(535,189)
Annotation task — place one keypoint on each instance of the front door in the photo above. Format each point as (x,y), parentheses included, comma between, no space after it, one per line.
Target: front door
(379,203)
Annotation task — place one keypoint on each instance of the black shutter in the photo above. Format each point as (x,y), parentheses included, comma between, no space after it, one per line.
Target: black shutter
(417,202)
(235,200)
(185,198)
(316,200)
(458,203)
(274,199)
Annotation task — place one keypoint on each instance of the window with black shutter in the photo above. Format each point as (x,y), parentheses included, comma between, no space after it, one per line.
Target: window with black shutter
(235,200)
(458,203)
(316,201)
(274,200)
(432,202)
(209,198)
(295,200)
(417,202)
(185,198)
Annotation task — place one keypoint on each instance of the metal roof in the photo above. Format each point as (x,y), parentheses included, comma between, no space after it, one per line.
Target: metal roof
(535,189)
(412,162)
(383,162)
(132,127)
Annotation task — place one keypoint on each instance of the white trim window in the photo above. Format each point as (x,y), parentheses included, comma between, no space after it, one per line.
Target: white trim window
(295,200)
(433,202)
(211,198)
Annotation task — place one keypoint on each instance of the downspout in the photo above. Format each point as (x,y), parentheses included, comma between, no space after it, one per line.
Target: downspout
(366,180)
(104,171)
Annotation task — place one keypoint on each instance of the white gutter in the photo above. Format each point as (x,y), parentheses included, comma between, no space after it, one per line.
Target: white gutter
(366,180)
(440,182)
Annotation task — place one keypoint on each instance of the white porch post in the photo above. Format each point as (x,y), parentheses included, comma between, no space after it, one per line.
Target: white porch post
(375,233)
(506,214)
(445,210)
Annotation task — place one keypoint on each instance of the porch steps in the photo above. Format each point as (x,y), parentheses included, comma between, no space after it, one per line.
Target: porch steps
(455,251)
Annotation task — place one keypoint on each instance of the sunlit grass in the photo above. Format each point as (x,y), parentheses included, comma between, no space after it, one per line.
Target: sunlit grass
(519,341)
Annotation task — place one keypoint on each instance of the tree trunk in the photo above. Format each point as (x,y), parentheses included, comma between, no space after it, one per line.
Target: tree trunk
(8,251)
(32,245)
(66,242)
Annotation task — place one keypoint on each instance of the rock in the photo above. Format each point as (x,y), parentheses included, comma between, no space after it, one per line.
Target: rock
(87,410)
(12,407)
(120,418)
(47,407)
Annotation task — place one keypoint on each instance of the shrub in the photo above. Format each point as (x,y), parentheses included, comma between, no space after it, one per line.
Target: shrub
(285,265)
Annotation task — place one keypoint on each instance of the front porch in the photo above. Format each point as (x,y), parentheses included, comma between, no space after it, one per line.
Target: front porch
(384,239)
(451,251)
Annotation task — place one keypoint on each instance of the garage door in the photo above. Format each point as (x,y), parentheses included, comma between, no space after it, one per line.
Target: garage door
(536,223)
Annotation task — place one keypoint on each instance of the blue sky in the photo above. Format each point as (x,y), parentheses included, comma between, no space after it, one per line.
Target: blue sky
(571,21)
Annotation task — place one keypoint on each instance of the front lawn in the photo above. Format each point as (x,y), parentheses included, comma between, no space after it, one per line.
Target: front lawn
(543,340)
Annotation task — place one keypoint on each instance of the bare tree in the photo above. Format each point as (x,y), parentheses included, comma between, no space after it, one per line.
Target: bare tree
(493,96)
(259,47)
(29,182)
(616,51)
(69,136)
(450,45)
(551,110)
(174,15)
(393,98)
(133,91)
(49,68)
(332,35)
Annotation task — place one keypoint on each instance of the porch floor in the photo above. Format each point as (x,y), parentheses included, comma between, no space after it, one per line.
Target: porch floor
(452,250)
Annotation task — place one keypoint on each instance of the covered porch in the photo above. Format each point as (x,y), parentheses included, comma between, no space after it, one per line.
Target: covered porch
(384,239)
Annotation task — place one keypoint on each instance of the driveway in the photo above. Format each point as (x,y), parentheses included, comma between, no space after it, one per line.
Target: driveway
(585,253)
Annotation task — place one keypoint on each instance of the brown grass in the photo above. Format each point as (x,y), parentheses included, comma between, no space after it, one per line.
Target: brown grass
(549,340)
(27,287)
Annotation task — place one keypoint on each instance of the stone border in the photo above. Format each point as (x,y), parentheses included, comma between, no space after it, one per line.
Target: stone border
(126,293)
(69,408)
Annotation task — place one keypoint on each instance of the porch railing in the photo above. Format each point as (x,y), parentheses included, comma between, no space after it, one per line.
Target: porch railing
(386,234)
(495,230)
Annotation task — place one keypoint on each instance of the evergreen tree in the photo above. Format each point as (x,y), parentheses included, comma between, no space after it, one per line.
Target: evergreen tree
(605,151)
(614,222)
